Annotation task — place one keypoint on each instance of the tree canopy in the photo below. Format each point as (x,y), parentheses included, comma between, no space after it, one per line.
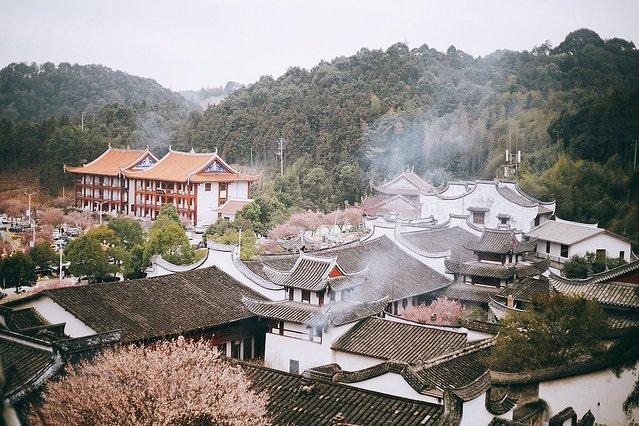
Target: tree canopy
(555,331)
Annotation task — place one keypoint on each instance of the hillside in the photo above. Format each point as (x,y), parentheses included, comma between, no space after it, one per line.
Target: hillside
(571,110)
(36,92)
(210,96)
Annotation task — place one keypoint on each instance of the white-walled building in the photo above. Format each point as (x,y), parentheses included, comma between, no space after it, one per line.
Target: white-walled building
(316,312)
(561,239)
(491,204)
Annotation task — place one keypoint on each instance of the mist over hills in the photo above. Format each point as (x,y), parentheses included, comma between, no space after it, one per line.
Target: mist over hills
(37,92)
(572,110)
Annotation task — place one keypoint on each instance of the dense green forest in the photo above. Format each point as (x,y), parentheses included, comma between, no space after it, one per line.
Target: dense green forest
(37,92)
(572,110)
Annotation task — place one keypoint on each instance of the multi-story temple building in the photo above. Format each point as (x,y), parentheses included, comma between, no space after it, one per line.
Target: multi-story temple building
(100,184)
(202,186)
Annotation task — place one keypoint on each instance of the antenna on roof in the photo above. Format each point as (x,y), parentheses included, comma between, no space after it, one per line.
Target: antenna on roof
(192,150)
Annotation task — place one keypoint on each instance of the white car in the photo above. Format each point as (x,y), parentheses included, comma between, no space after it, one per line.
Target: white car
(199,230)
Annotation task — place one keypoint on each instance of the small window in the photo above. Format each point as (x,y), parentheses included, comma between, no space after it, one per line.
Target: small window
(207,186)
(290,293)
(479,217)
(235,350)
(221,348)
(537,221)
(622,254)
(547,246)
(564,250)
(404,303)
(247,350)
(601,253)
(320,297)
(294,366)
(503,220)
(306,295)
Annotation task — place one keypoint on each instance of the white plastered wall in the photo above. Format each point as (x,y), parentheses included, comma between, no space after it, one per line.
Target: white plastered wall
(56,314)
(600,392)
(206,202)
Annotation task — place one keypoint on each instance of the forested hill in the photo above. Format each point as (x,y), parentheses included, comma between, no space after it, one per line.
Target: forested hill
(571,109)
(37,92)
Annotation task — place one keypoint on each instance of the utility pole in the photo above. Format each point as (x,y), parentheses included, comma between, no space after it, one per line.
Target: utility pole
(60,270)
(31,220)
(280,153)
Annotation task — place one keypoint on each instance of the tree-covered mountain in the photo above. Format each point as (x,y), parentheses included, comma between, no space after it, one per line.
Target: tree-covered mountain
(571,110)
(37,92)
(210,96)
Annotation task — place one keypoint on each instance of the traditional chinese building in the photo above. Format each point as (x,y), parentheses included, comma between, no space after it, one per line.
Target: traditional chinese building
(559,240)
(202,186)
(101,185)
(489,204)
(400,196)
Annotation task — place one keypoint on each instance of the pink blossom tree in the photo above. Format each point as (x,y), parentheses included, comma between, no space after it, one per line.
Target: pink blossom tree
(175,382)
(353,216)
(80,220)
(13,208)
(441,311)
(308,221)
(284,230)
(52,216)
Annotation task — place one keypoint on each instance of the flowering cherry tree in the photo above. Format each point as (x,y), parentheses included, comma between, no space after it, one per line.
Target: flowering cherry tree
(442,311)
(284,230)
(179,382)
(308,221)
(80,220)
(353,216)
(52,216)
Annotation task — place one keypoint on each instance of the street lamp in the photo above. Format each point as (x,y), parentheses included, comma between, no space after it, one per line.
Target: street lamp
(31,220)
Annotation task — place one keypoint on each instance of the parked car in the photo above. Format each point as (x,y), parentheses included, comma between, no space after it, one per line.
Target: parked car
(72,232)
(199,230)
(15,228)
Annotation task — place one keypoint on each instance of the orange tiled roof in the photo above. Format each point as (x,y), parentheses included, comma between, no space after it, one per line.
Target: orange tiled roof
(232,206)
(111,161)
(182,166)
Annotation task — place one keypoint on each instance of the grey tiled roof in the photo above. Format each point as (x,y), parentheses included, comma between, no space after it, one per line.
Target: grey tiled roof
(25,318)
(526,290)
(515,196)
(613,293)
(386,339)
(337,313)
(23,361)
(312,273)
(441,240)
(481,269)
(564,232)
(500,241)
(465,371)
(159,306)
(460,290)
(391,271)
(297,400)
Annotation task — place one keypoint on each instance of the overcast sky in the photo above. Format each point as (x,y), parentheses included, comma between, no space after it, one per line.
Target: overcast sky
(191,44)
